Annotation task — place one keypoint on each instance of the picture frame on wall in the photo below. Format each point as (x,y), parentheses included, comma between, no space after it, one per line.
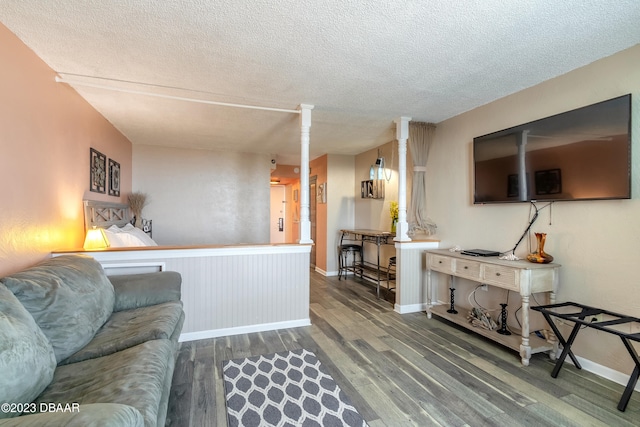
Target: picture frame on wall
(97,171)
(322,193)
(114,178)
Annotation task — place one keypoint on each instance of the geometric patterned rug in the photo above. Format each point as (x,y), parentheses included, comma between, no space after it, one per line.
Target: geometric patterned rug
(290,388)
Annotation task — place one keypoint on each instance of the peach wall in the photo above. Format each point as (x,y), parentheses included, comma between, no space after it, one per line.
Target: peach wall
(46,130)
(319,168)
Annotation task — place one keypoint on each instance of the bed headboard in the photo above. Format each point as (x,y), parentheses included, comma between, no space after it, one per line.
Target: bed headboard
(105,214)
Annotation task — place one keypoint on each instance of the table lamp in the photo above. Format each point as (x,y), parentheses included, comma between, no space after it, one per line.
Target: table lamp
(96,239)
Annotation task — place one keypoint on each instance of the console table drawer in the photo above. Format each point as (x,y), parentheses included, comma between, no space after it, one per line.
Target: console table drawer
(440,263)
(503,276)
(469,269)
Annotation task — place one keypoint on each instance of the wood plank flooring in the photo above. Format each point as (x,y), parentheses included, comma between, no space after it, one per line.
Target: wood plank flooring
(403,370)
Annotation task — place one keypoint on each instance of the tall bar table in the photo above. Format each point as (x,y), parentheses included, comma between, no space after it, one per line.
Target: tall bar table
(366,269)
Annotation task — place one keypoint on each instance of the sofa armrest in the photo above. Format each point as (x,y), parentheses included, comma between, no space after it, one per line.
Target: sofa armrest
(141,290)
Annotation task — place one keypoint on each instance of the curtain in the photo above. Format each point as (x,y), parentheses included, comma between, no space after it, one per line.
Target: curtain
(420,139)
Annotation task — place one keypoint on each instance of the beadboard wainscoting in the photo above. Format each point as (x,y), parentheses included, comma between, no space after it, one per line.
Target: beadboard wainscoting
(227,290)
(411,289)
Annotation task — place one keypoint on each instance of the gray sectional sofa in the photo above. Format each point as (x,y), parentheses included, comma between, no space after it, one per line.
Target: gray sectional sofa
(78,348)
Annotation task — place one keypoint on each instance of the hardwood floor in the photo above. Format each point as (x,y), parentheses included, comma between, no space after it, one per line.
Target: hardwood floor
(404,370)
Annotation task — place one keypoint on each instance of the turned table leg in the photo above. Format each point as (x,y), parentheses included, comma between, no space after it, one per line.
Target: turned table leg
(525,348)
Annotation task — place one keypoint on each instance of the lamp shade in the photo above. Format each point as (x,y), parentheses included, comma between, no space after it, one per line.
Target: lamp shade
(96,239)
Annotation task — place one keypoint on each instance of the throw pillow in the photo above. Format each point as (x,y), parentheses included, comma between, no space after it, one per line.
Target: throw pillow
(135,231)
(123,240)
(128,236)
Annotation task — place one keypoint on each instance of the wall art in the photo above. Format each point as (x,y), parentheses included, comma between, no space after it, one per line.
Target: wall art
(322,193)
(114,178)
(97,171)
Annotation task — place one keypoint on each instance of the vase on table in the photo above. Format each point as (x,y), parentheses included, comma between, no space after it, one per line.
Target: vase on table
(540,256)
(394,223)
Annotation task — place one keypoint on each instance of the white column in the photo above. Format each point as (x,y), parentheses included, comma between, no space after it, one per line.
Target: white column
(402,134)
(305,124)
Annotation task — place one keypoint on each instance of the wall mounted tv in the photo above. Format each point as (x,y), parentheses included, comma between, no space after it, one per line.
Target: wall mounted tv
(583,154)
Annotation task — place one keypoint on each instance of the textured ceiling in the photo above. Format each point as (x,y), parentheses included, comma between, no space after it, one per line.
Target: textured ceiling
(361,63)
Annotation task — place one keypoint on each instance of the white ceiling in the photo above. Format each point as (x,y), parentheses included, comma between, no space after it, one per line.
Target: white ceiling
(362,63)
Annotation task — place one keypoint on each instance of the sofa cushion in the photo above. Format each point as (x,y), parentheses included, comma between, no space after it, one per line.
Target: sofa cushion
(139,290)
(95,414)
(129,328)
(136,377)
(69,297)
(27,360)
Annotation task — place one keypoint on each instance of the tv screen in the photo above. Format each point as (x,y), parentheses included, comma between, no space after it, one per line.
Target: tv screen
(583,154)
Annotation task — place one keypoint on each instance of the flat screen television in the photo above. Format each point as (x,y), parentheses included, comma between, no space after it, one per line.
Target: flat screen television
(583,154)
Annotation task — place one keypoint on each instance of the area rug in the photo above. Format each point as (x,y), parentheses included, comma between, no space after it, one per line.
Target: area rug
(290,388)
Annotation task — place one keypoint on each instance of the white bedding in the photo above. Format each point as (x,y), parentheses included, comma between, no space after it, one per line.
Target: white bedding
(127,237)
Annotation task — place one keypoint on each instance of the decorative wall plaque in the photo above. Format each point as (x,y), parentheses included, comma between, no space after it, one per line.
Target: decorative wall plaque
(97,171)
(114,178)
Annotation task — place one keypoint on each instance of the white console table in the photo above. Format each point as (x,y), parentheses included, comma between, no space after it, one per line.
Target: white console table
(519,276)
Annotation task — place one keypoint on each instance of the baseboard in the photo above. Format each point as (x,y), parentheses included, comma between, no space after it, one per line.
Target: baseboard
(593,367)
(409,308)
(214,333)
(601,371)
(326,273)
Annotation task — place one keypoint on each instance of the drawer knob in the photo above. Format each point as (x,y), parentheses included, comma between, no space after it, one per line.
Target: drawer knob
(439,262)
(466,267)
(497,274)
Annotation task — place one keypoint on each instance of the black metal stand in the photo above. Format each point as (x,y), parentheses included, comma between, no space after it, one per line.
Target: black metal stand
(452,310)
(503,321)
(581,315)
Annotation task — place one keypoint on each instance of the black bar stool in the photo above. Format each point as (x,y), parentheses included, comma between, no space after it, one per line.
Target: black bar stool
(391,272)
(348,252)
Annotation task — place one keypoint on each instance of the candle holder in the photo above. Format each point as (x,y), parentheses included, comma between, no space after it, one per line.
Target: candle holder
(503,321)
(452,309)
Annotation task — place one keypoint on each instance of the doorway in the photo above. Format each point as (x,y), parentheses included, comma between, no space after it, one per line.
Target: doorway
(312,216)
(277,215)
